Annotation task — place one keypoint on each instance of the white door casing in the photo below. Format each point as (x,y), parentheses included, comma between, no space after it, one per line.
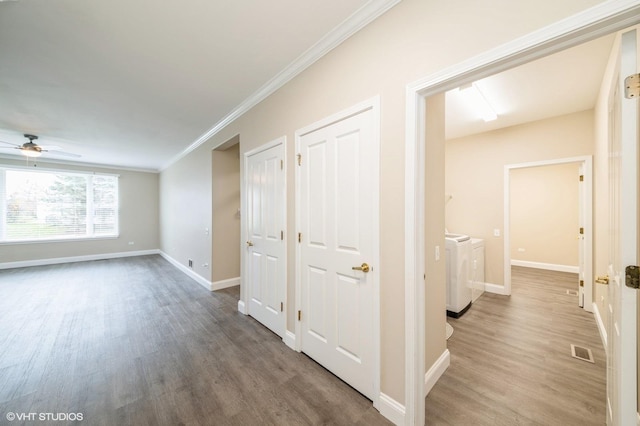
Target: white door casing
(337,205)
(603,18)
(265,245)
(623,241)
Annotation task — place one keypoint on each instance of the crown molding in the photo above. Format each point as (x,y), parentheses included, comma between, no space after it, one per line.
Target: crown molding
(48,160)
(354,23)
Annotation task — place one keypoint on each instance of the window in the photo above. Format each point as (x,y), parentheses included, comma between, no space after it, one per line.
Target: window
(53,205)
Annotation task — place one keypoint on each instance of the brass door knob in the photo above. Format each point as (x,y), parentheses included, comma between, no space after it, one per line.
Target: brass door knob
(249,244)
(603,280)
(364,268)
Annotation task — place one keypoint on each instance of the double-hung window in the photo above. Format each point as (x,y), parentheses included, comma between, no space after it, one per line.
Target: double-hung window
(41,205)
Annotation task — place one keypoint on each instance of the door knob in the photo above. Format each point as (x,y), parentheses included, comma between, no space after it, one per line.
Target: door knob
(249,243)
(603,280)
(364,268)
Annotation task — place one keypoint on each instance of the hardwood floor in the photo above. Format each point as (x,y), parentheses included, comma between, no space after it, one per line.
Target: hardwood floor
(511,362)
(135,342)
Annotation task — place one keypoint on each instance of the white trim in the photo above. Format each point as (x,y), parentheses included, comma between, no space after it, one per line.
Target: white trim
(354,23)
(219,285)
(586,213)
(241,308)
(188,271)
(495,289)
(603,18)
(436,371)
(71,259)
(391,409)
(601,328)
(289,339)
(546,266)
(372,104)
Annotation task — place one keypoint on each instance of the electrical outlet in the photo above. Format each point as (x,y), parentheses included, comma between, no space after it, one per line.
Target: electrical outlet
(190,263)
(521,250)
(437,253)
(496,232)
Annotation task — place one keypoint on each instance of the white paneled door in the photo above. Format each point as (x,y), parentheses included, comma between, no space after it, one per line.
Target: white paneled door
(265,262)
(623,244)
(338,167)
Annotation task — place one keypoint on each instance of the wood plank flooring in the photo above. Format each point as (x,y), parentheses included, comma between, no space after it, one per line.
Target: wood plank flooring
(135,342)
(511,361)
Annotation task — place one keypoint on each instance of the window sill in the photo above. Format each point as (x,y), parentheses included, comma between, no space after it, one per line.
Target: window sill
(59,240)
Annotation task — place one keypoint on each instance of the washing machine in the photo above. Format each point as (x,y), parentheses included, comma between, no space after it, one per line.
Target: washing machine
(458,254)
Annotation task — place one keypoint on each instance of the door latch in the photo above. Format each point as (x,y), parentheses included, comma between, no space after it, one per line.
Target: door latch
(632,276)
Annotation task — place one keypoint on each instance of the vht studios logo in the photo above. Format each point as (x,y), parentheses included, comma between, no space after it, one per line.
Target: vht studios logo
(51,417)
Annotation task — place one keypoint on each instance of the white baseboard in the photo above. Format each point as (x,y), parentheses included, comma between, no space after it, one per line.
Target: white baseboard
(71,259)
(187,271)
(495,289)
(601,327)
(241,307)
(436,371)
(547,266)
(219,285)
(391,409)
(289,339)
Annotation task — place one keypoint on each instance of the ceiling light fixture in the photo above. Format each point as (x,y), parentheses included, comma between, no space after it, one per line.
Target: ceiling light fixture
(476,99)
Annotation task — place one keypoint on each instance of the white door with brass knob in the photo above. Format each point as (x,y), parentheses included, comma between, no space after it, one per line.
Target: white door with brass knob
(337,201)
(265,249)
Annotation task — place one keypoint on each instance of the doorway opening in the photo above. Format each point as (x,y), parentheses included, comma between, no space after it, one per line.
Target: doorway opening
(225,208)
(596,22)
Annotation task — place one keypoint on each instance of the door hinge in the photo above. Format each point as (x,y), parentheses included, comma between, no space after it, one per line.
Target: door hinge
(281,306)
(581,231)
(299,237)
(632,276)
(281,164)
(299,159)
(299,315)
(632,86)
(581,178)
(581,283)
(282,235)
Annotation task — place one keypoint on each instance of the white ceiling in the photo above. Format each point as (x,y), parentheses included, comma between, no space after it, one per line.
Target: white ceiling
(563,83)
(133,83)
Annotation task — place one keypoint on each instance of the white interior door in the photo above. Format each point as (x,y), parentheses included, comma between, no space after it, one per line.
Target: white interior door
(623,175)
(265,223)
(338,202)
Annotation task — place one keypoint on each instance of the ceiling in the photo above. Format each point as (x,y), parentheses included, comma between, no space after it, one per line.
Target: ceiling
(134,85)
(563,83)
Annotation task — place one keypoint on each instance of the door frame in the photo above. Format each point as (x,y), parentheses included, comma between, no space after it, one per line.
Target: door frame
(243,303)
(372,104)
(585,212)
(604,18)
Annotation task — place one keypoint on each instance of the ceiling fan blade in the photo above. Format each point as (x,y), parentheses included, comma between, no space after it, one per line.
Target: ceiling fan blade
(11,144)
(63,153)
(50,147)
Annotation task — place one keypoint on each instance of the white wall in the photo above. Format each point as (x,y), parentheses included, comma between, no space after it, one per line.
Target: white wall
(414,39)
(139,220)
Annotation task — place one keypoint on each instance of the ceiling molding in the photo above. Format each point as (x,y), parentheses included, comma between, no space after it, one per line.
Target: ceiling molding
(362,17)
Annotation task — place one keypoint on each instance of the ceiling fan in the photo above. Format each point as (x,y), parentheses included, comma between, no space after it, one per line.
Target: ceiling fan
(31,149)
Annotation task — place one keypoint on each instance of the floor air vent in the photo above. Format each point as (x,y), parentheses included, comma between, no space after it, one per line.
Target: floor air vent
(581,353)
(572,292)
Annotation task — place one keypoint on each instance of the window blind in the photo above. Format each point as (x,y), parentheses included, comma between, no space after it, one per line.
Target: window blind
(51,205)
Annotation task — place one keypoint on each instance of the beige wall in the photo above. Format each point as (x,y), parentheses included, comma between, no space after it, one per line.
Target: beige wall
(475,174)
(435,286)
(544,214)
(139,220)
(225,261)
(410,41)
